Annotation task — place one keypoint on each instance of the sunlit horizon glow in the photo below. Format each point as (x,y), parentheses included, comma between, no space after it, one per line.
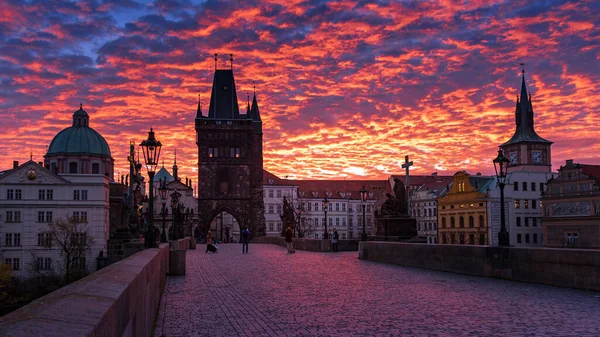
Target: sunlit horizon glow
(346,89)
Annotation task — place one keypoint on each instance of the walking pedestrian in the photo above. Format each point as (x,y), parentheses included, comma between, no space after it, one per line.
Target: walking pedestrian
(245,240)
(334,240)
(209,243)
(288,240)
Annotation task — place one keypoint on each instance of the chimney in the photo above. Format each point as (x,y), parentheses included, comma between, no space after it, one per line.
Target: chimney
(15,164)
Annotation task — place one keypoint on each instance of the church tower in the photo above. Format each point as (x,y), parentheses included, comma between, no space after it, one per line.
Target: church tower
(525,149)
(230,161)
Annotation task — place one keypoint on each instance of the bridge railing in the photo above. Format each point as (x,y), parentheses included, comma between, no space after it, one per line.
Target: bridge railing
(313,245)
(119,300)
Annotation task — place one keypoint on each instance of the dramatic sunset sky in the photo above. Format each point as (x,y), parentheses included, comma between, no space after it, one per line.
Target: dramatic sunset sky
(345,88)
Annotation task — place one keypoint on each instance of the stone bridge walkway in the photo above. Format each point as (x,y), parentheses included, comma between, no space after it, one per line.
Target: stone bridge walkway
(271,293)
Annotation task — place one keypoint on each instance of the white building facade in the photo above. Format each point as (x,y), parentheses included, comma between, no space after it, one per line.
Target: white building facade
(73,184)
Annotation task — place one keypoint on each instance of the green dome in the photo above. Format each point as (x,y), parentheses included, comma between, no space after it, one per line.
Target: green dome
(79,140)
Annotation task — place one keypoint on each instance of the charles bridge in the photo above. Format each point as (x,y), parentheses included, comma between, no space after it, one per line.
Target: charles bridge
(315,293)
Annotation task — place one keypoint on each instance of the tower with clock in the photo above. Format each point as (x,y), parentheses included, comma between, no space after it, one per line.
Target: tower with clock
(526,150)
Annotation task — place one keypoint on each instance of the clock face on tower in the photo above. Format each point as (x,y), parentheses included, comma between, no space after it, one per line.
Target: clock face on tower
(512,156)
(536,157)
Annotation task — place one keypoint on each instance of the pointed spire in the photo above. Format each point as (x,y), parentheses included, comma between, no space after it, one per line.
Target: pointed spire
(175,166)
(199,112)
(248,108)
(80,105)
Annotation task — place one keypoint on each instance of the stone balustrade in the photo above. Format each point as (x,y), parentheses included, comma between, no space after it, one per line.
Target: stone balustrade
(574,268)
(313,245)
(119,300)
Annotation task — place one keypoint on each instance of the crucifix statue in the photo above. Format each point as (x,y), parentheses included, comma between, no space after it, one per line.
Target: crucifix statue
(407,164)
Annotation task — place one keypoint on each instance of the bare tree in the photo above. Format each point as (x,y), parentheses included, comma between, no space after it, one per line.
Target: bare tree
(72,239)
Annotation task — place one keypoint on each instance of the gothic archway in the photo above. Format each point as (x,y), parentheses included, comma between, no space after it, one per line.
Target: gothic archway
(225,227)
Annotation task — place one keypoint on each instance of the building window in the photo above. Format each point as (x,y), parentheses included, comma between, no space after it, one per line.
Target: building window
(524,186)
(337,206)
(79,263)
(44,263)
(534,222)
(95,168)
(534,204)
(461,238)
(461,222)
(270,193)
(309,206)
(526,204)
(323,221)
(526,238)
(337,222)
(526,222)
(541,187)
(516,186)
(481,221)
(481,239)
(84,195)
(18,194)
(17,216)
(14,263)
(271,226)
(472,239)
(517,203)
(72,167)
(271,209)
(41,194)
(9,216)
(49,216)
(40,216)
(471,221)
(518,221)
(331,207)
(461,186)
(12,239)
(49,194)
(278,193)
(572,239)
(519,238)
(44,239)
(10,194)
(343,207)
(443,222)
(452,222)
(279,209)
(533,186)
(534,238)
(76,195)
(82,218)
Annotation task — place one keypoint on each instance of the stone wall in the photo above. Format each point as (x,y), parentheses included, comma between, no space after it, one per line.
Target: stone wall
(119,300)
(572,268)
(313,245)
(181,244)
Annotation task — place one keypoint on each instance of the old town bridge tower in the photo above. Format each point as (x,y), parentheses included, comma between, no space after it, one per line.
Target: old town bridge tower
(230,162)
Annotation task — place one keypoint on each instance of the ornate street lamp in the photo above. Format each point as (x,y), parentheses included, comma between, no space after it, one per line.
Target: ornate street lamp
(325,208)
(363,199)
(501,165)
(162,190)
(151,148)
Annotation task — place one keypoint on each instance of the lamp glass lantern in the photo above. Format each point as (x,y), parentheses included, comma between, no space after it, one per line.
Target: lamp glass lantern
(501,166)
(151,149)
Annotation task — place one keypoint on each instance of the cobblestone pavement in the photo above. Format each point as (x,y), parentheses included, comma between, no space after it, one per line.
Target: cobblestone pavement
(271,293)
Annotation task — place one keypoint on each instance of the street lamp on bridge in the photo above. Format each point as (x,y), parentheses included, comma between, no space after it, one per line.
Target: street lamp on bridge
(151,149)
(325,208)
(363,199)
(501,166)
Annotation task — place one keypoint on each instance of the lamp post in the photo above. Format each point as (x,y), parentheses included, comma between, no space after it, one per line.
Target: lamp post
(151,148)
(363,199)
(174,207)
(325,208)
(162,190)
(501,165)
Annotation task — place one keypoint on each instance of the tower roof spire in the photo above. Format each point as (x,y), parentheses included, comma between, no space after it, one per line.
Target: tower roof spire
(199,112)
(525,131)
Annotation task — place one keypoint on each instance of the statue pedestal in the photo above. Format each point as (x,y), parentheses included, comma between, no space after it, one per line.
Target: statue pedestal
(123,244)
(395,228)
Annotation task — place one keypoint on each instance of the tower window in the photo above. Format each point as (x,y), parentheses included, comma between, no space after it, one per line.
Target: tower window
(95,168)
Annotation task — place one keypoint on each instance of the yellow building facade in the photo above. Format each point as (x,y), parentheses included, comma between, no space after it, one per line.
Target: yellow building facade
(462,212)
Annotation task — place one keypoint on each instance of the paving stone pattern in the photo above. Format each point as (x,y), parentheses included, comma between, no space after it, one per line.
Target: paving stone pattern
(271,293)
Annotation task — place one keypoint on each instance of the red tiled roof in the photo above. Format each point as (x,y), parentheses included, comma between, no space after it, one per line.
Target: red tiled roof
(591,170)
(417,180)
(335,188)
(271,179)
(438,184)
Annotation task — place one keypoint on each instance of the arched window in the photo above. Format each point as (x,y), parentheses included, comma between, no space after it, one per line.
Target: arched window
(462,222)
(443,222)
(471,221)
(452,222)
(481,221)
(72,167)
